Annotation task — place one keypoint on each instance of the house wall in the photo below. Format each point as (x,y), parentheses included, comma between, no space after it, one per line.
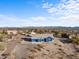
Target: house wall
(42,39)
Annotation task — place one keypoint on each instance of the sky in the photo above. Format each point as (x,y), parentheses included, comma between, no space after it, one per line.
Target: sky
(22,13)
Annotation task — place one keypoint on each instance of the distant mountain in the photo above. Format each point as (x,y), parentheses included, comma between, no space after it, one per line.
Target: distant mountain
(46,27)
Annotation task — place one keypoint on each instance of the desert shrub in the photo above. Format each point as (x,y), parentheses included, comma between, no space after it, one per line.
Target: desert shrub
(60,49)
(33,50)
(37,48)
(4,32)
(75,40)
(55,44)
(47,50)
(23,58)
(56,33)
(31,57)
(11,34)
(2,46)
(60,57)
(64,35)
(40,46)
(1,39)
(60,45)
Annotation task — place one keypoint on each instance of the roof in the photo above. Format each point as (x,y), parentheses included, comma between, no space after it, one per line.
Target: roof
(41,35)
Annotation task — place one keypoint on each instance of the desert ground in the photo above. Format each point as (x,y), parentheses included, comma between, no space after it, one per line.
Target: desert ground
(17,48)
(53,50)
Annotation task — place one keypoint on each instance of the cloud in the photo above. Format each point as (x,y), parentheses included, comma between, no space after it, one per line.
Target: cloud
(67,11)
(39,18)
(13,21)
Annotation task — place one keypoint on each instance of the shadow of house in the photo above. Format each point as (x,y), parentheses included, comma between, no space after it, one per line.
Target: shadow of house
(65,40)
(27,39)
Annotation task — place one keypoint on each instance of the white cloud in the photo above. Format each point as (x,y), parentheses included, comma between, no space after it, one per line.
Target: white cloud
(12,21)
(67,12)
(39,18)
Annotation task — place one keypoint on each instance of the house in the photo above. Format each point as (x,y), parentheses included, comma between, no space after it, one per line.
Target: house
(71,36)
(12,31)
(46,39)
(33,32)
(39,38)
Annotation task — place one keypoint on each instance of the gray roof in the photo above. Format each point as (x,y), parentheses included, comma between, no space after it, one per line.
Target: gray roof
(41,35)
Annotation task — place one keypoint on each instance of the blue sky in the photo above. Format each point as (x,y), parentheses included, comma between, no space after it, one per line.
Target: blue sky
(20,13)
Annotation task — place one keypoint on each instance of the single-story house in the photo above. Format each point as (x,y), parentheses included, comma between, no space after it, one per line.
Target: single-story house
(39,38)
(12,31)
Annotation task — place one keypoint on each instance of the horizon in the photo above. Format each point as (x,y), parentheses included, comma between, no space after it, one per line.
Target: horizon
(39,13)
(33,26)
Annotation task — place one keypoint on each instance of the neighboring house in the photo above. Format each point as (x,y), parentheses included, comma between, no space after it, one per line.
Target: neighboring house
(39,38)
(12,31)
(33,32)
(71,36)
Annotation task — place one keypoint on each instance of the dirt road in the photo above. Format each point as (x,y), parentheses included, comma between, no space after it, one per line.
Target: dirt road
(10,46)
